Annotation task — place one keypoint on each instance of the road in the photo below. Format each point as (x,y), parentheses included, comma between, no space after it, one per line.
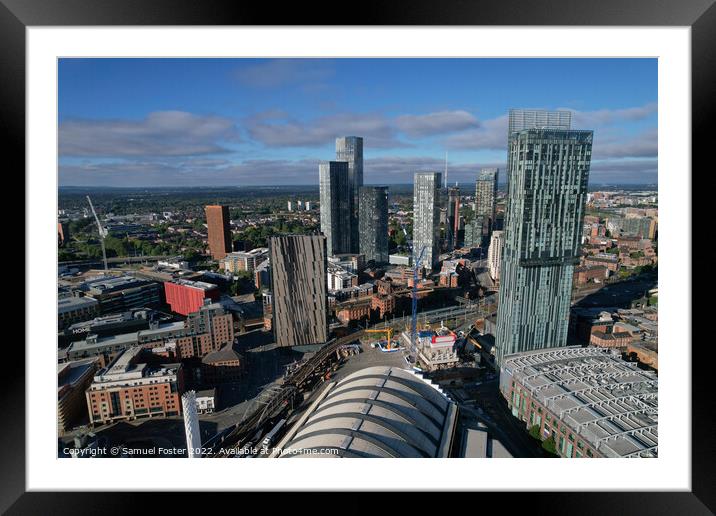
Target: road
(487,405)
(619,294)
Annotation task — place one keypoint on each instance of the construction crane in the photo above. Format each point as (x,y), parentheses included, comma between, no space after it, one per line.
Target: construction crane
(389,333)
(102,233)
(414,322)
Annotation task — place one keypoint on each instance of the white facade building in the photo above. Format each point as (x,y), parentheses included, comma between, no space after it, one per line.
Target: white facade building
(494,255)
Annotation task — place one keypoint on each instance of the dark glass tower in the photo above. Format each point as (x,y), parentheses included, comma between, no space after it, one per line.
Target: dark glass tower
(373,223)
(336,206)
(350,149)
(548,175)
(485,195)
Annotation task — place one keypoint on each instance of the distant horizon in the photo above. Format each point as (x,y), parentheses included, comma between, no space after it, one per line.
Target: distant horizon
(201,187)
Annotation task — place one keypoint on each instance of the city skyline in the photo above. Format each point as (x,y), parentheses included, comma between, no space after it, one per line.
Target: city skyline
(270,122)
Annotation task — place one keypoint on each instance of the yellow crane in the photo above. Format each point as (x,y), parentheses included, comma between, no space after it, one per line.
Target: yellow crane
(387,331)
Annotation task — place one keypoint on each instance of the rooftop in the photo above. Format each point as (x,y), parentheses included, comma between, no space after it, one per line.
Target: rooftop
(609,402)
(248,254)
(68,304)
(193,284)
(226,353)
(376,412)
(106,283)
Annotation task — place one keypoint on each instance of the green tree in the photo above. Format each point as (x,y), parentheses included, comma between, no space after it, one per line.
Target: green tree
(534,432)
(549,445)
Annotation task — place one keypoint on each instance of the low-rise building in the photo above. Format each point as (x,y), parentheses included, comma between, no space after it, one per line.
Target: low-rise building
(436,348)
(400,259)
(130,388)
(222,365)
(339,278)
(587,401)
(71,310)
(354,311)
(454,274)
(352,262)
(206,401)
(122,293)
(610,261)
(206,330)
(245,261)
(383,304)
(614,339)
(73,378)
(587,274)
(185,297)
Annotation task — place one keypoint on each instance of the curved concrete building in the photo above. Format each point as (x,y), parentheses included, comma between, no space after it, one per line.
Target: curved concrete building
(375,412)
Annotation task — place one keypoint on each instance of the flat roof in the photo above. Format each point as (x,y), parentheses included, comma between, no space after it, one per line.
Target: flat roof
(607,401)
(203,285)
(68,304)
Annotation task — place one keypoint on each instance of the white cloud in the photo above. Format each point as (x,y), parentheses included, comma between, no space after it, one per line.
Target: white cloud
(440,122)
(161,133)
(311,73)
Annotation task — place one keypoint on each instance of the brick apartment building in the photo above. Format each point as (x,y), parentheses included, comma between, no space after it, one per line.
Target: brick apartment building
(383,304)
(130,388)
(583,275)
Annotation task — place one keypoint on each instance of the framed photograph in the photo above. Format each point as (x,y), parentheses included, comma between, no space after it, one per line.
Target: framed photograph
(430,238)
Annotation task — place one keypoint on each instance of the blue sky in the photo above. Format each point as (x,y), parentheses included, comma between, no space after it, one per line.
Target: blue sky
(244,122)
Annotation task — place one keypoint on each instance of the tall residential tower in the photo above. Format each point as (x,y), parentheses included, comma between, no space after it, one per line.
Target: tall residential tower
(217,221)
(453,217)
(336,206)
(427,201)
(373,223)
(548,175)
(350,149)
(299,289)
(485,196)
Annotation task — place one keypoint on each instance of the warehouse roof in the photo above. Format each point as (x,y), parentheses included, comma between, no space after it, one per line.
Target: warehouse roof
(609,402)
(375,412)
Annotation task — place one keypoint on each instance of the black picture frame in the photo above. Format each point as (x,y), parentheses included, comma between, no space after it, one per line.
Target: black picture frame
(700,15)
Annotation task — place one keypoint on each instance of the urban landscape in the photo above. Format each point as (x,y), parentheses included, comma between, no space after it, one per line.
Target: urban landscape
(496,311)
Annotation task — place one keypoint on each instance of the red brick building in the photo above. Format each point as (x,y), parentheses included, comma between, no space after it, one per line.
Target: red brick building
(583,275)
(610,261)
(610,340)
(217,221)
(383,304)
(223,365)
(130,388)
(353,312)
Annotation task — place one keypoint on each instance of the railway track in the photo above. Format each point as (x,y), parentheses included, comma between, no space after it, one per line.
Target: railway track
(291,387)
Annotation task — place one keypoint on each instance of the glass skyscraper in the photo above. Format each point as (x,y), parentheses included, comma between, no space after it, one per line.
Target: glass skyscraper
(485,196)
(547,177)
(373,223)
(350,149)
(336,206)
(521,119)
(427,202)
(453,217)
